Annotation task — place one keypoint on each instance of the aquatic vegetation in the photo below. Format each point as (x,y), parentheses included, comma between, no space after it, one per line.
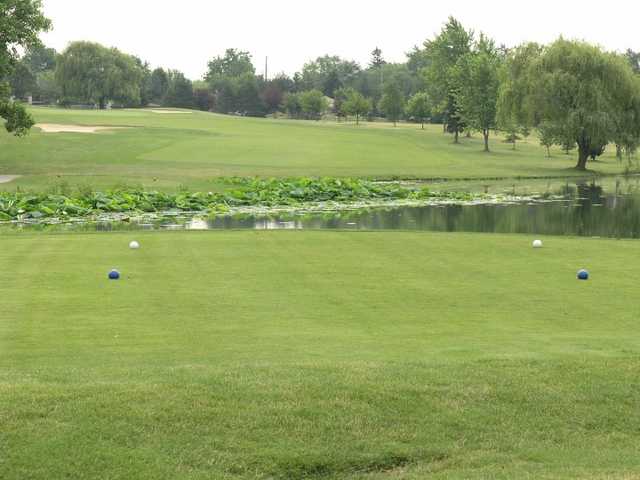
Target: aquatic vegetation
(241,192)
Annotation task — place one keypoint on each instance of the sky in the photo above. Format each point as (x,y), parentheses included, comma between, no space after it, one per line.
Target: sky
(185,34)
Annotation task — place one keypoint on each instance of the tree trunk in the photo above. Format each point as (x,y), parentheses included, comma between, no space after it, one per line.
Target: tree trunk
(456,136)
(357,119)
(423,125)
(548,151)
(583,157)
(485,133)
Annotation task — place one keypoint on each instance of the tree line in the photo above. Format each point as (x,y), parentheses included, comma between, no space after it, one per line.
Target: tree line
(572,94)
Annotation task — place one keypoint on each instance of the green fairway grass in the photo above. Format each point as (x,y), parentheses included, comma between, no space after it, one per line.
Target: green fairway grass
(193,149)
(318,355)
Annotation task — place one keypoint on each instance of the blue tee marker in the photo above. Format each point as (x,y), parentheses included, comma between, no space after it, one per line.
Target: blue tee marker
(114,275)
(583,275)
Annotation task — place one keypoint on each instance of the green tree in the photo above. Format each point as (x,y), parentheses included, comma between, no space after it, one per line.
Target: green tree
(47,89)
(584,93)
(89,72)
(179,91)
(292,105)
(159,86)
(248,94)
(27,78)
(512,113)
(339,98)
(203,99)
(634,60)
(40,58)
(22,81)
(440,57)
(356,104)
(234,63)
(328,74)
(21,21)
(145,81)
(313,104)
(392,102)
(478,81)
(547,137)
(377,60)
(234,83)
(419,107)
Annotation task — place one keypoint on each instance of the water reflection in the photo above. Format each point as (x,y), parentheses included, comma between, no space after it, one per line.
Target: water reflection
(585,209)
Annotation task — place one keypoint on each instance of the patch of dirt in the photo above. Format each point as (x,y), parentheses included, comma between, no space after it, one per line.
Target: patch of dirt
(8,178)
(58,128)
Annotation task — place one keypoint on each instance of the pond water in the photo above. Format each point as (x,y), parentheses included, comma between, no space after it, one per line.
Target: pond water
(609,208)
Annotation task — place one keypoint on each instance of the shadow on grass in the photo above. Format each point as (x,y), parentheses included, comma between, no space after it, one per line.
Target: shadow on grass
(320,467)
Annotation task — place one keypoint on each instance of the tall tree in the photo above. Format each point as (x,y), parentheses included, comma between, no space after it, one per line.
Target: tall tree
(512,113)
(328,72)
(248,94)
(441,56)
(419,107)
(332,83)
(89,72)
(392,102)
(21,21)
(234,63)
(377,60)
(179,91)
(477,75)
(234,83)
(634,60)
(159,85)
(203,99)
(22,80)
(582,92)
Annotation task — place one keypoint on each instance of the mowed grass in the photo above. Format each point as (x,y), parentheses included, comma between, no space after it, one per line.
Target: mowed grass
(193,149)
(318,355)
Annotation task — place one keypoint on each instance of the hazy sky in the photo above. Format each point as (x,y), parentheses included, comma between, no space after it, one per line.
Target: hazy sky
(185,34)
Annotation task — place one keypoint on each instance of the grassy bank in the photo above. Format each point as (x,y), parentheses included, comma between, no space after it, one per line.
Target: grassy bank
(193,149)
(318,355)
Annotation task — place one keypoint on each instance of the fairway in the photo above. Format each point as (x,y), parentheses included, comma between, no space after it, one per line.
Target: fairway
(165,151)
(320,355)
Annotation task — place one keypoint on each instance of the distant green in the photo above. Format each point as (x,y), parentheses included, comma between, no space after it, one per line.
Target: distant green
(193,149)
(318,355)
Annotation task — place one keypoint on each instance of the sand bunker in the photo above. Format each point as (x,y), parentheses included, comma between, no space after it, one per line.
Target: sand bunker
(164,112)
(56,128)
(8,178)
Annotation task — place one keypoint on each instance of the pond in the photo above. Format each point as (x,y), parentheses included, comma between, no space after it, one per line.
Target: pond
(606,208)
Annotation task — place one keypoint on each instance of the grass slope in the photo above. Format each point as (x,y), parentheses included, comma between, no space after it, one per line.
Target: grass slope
(166,151)
(318,355)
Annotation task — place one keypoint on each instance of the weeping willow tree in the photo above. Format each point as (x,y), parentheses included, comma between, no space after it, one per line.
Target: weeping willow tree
(586,97)
(89,72)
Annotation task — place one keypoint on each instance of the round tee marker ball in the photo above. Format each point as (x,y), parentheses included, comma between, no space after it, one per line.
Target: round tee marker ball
(537,244)
(583,275)
(114,275)
(134,245)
